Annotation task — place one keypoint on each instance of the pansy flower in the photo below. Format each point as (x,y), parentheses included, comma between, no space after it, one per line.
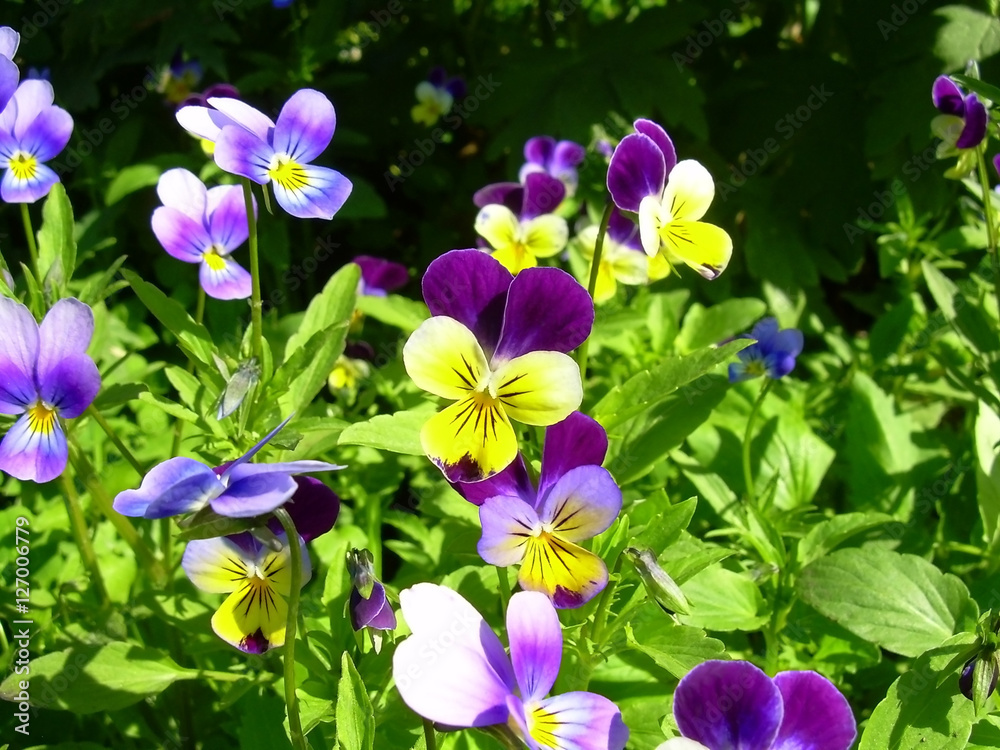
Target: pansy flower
(380,276)
(368,604)
(496,346)
(46,376)
(241,490)
(220,90)
(179,79)
(721,705)
(557,159)
(622,258)
(9,74)
(435,96)
(454,671)
(540,528)
(32,131)
(772,355)
(961,126)
(518,223)
(670,197)
(200,225)
(251,145)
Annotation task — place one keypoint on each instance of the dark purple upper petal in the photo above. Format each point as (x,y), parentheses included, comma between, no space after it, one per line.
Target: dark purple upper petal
(817,716)
(373,612)
(437,76)
(456,87)
(471,287)
(567,157)
(661,139)
(788,341)
(576,441)
(764,332)
(511,482)
(637,169)
(221,90)
(509,194)
(542,195)
(947,96)
(726,705)
(624,231)
(313,509)
(547,310)
(379,274)
(539,150)
(975,123)
(71,385)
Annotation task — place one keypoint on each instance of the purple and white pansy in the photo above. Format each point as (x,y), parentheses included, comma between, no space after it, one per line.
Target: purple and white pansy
(32,131)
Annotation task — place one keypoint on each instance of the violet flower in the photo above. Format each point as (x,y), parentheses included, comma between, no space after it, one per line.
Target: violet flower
(496,346)
(369,606)
(454,671)
(9,74)
(380,276)
(32,131)
(622,258)
(45,375)
(242,490)
(540,528)
(435,96)
(200,225)
(560,160)
(772,355)
(722,705)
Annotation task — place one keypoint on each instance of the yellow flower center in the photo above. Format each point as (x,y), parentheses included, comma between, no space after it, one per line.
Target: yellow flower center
(23,165)
(213,260)
(542,726)
(41,418)
(287,173)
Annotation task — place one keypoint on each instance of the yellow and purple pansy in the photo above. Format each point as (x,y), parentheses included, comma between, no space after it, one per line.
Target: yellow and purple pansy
(961,126)
(32,131)
(498,347)
(622,258)
(435,96)
(670,198)
(556,158)
(540,528)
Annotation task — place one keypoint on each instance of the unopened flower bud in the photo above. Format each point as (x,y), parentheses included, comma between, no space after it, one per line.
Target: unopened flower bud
(659,586)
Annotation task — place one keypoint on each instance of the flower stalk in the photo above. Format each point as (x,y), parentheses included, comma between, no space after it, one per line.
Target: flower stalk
(595,269)
(29,235)
(748,438)
(990,218)
(291,699)
(256,306)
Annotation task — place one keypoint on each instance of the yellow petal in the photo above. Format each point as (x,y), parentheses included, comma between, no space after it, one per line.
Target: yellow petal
(498,225)
(586,240)
(689,191)
(659,267)
(539,388)
(254,606)
(471,439)
(217,565)
(443,357)
(515,258)
(545,236)
(705,247)
(628,266)
(567,573)
(606,284)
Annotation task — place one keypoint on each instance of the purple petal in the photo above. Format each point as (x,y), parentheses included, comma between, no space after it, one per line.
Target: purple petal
(507,522)
(508,194)
(788,341)
(456,87)
(567,157)
(71,385)
(542,195)
(576,441)
(817,716)
(18,354)
(305,126)
(624,231)
(637,169)
(253,494)
(244,116)
(242,153)
(547,310)
(324,193)
(586,721)
(180,189)
(728,704)
(230,281)
(471,287)
(221,90)
(511,482)
(381,274)
(437,76)
(947,96)
(177,485)
(180,235)
(66,330)
(661,139)
(30,455)
(9,77)
(313,508)
(14,190)
(9,41)
(975,123)
(535,643)
(779,364)
(227,216)
(538,150)
(373,612)
(48,133)
(30,100)
(582,504)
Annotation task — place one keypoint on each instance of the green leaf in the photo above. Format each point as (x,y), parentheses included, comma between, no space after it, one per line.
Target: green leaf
(118,394)
(87,679)
(130,179)
(99,286)
(355,715)
(331,306)
(665,527)
(705,326)
(170,407)
(967,34)
(56,244)
(987,437)
(985,90)
(194,338)
(921,710)
(676,648)
(900,602)
(309,367)
(649,387)
(723,600)
(393,310)
(966,315)
(396,433)
(827,535)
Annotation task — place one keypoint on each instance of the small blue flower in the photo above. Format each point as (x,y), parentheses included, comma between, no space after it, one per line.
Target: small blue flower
(773,355)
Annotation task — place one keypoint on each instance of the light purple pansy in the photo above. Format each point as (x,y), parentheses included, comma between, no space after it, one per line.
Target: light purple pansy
(723,705)
(373,611)
(949,99)
(242,490)
(380,276)
(9,74)
(45,375)
(473,683)
(557,159)
(200,225)
(32,131)
(540,529)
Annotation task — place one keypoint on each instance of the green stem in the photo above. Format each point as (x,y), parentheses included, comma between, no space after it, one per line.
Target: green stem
(595,268)
(78,524)
(771,641)
(32,247)
(504,585)
(747,438)
(604,605)
(210,674)
(255,304)
(291,700)
(429,739)
(991,227)
(199,311)
(374,512)
(110,432)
